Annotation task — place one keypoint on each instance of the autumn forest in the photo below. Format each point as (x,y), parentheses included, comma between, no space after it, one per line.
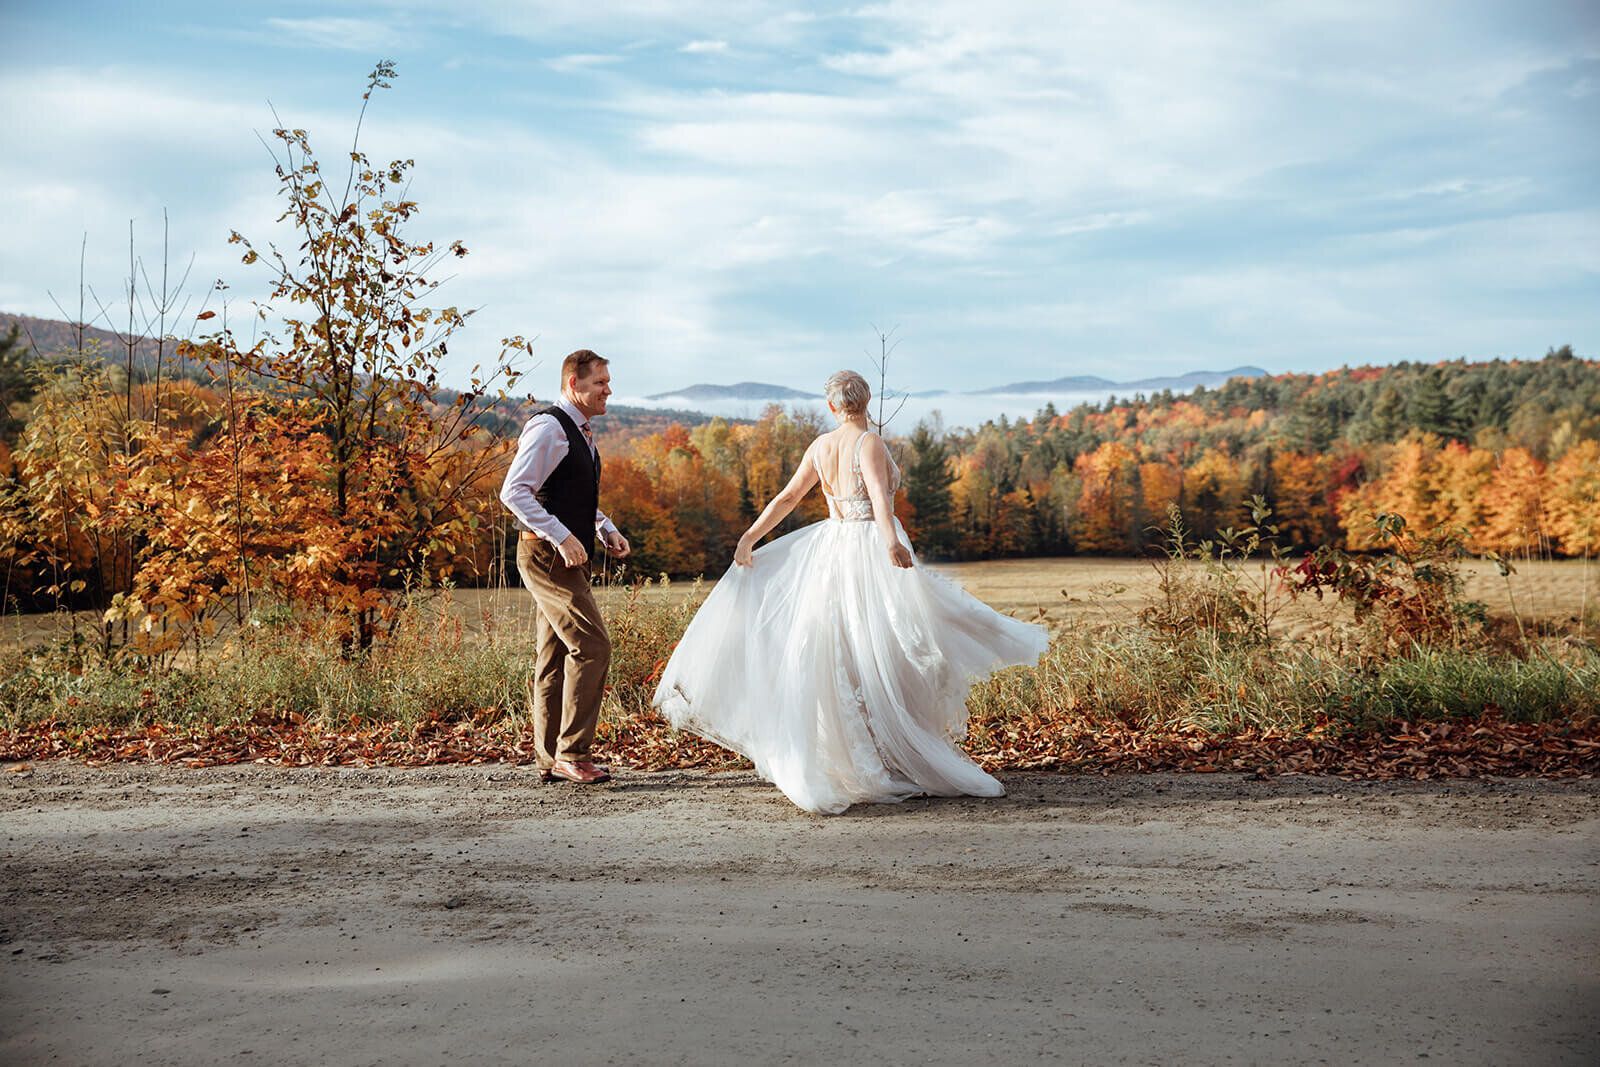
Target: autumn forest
(1507,451)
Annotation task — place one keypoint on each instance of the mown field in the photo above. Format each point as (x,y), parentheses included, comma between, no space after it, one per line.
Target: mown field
(1075,591)
(1069,591)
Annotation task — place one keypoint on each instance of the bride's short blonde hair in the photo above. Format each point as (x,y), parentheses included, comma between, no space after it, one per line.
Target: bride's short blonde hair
(848,392)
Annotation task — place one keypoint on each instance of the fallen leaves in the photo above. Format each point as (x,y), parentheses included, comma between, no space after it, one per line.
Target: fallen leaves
(1421,751)
(1484,748)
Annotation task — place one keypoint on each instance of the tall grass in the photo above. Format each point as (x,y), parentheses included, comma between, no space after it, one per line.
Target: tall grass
(1204,656)
(1130,677)
(432,666)
(1202,659)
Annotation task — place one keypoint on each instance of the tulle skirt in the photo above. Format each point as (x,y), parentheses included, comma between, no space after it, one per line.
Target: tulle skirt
(843,678)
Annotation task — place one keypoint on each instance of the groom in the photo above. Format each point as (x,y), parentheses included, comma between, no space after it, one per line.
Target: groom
(553,490)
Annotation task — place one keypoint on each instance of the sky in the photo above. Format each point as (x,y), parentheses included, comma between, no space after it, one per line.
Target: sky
(724,192)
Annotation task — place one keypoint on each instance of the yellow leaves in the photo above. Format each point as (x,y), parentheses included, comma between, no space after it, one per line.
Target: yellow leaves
(1507,502)
(309,493)
(1573,500)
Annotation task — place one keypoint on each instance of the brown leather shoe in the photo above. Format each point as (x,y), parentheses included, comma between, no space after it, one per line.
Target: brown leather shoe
(546,774)
(583,772)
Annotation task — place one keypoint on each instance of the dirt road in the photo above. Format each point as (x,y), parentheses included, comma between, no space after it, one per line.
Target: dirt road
(262,916)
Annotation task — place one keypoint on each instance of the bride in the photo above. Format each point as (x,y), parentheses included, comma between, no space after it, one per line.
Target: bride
(831,660)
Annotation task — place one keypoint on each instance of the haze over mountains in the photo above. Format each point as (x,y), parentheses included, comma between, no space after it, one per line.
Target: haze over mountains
(737,391)
(742,400)
(1081,383)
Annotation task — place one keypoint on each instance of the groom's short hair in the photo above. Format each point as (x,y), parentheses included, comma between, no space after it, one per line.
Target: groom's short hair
(579,363)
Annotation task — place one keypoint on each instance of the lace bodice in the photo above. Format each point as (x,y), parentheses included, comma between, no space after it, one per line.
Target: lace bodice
(853,504)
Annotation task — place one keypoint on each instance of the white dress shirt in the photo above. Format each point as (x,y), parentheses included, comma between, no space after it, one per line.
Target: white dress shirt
(540,448)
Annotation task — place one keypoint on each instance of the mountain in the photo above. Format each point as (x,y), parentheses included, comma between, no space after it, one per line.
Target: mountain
(737,391)
(1186,382)
(705,392)
(1081,383)
(1085,383)
(55,342)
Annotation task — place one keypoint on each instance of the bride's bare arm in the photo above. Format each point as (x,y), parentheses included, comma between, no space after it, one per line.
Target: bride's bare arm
(875,472)
(778,507)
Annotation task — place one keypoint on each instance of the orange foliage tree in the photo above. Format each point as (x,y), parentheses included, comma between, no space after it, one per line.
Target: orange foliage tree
(337,476)
(1407,486)
(1105,512)
(53,508)
(1303,506)
(1572,501)
(1513,505)
(1213,492)
(1160,486)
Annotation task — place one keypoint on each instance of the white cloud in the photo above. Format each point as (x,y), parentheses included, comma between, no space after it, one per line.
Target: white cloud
(754,21)
(919,219)
(1122,181)
(582,61)
(353,35)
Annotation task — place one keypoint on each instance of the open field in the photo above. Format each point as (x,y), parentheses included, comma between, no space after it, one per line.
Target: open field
(1082,588)
(1072,590)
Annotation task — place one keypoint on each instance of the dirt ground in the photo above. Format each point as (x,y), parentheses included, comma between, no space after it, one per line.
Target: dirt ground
(471,915)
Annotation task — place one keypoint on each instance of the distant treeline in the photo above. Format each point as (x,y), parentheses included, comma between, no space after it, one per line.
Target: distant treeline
(1506,450)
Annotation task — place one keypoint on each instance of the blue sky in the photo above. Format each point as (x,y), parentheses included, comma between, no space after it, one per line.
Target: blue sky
(731,191)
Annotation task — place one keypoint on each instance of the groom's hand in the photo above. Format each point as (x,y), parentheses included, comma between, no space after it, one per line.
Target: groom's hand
(573,554)
(616,544)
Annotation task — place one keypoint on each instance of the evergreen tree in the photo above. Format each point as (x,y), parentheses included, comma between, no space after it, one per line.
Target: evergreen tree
(1430,408)
(1385,419)
(927,483)
(18,383)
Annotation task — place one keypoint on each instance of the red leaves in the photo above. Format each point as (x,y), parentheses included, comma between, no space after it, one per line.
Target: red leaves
(645,742)
(1421,751)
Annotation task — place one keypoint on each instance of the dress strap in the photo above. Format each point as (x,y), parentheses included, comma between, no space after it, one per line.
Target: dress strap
(855,460)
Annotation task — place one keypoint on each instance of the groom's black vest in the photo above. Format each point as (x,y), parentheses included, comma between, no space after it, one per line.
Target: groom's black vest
(572,491)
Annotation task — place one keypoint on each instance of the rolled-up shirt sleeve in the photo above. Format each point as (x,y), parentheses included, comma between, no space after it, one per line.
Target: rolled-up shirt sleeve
(541,447)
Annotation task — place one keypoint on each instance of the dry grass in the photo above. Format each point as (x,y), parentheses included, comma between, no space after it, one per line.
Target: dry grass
(464,657)
(1067,591)
(1083,590)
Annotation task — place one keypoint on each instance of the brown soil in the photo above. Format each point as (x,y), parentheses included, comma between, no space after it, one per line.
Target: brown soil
(252,915)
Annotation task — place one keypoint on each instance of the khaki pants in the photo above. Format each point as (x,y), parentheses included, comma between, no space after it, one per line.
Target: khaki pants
(573,654)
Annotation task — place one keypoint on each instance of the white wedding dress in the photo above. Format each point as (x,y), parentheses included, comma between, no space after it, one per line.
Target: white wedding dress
(842,677)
